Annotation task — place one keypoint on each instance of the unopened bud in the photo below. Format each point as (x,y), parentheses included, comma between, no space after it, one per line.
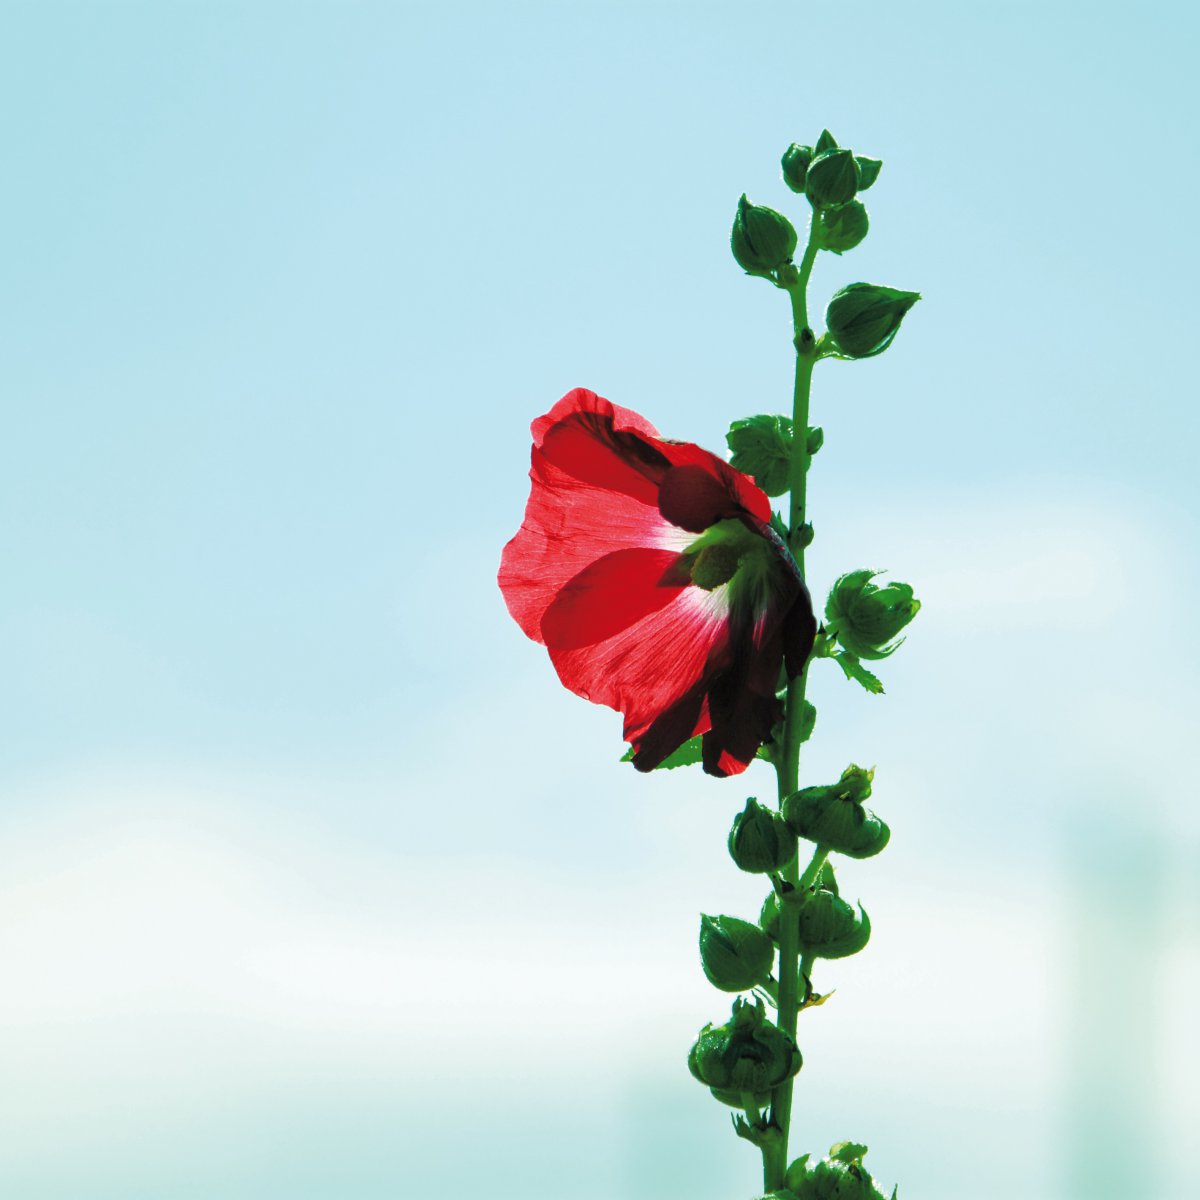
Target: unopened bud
(832,178)
(829,927)
(840,227)
(863,318)
(795,166)
(761,840)
(762,239)
(735,955)
(833,815)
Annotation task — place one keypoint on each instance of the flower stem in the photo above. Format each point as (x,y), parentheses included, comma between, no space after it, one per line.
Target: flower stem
(775,1151)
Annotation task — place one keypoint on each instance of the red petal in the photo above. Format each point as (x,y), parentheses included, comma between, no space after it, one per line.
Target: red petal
(610,595)
(648,668)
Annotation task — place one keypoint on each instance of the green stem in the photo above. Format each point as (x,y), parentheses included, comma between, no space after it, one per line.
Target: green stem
(775,1152)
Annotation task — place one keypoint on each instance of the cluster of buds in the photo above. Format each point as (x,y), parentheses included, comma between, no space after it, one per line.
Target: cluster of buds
(831,177)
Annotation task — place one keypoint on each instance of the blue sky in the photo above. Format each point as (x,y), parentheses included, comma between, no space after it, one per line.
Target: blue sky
(297,823)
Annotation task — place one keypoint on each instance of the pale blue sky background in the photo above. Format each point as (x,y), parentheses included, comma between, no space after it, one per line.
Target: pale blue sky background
(314,884)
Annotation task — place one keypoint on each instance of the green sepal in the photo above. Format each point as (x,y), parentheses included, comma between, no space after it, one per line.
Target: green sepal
(864,318)
(795,166)
(866,618)
(868,171)
(832,178)
(825,142)
(762,448)
(746,1054)
(760,840)
(829,927)
(833,815)
(815,440)
(736,955)
(848,1152)
(762,240)
(840,227)
(738,1099)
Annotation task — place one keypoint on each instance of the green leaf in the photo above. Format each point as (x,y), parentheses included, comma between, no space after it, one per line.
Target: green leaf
(825,142)
(856,671)
(808,719)
(687,755)
(762,447)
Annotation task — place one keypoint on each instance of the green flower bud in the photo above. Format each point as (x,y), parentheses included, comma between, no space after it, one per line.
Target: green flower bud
(802,538)
(868,171)
(829,927)
(795,166)
(760,840)
(746,1054)
(840,1176)
(762,239)
(834,816)
(816,439)
(825,142)
(866,618)
(762,448)
(863,318)
(832,178)
(736,955)
(841,227)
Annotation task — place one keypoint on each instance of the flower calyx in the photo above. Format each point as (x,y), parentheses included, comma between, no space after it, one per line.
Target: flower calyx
(748,1054)
(867,619)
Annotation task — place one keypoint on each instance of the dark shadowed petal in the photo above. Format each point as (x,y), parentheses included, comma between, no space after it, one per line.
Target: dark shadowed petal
(694,498)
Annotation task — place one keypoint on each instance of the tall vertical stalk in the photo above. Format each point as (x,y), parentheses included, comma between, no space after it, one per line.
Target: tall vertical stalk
(775,1149)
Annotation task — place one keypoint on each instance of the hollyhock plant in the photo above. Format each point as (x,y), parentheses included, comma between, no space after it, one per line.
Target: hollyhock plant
(663,585)
(650,570)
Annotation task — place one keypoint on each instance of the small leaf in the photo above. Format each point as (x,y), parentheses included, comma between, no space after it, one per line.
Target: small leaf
(825,142)
(856,671)
(808,720)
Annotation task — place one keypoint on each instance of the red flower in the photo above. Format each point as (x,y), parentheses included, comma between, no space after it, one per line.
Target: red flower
(650,571)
